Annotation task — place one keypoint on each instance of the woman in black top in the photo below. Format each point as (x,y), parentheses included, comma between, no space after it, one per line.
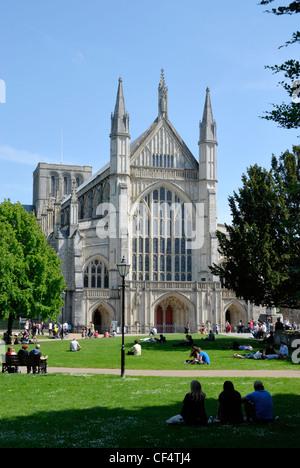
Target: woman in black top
(230,405)
(193,411)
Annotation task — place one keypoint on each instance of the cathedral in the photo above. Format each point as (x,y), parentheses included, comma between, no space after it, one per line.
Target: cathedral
(155,204)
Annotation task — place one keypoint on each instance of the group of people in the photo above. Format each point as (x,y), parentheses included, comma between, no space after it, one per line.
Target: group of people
(269,353)
(198,356)
(23,352)
(261,327)
(112,334)
(89,332)
(152,339)
(258,406)
(34,329)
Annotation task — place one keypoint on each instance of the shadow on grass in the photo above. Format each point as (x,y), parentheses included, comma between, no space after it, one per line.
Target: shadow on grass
(144,427)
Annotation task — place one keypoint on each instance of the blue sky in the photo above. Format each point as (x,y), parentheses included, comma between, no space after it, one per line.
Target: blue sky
(61,60)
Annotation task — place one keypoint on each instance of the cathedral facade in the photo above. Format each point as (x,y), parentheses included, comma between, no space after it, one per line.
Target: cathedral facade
(155,204)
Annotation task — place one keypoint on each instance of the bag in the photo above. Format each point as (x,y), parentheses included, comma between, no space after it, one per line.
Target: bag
(178,419)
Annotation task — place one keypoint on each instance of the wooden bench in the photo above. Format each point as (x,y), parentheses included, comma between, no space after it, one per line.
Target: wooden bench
(12,362)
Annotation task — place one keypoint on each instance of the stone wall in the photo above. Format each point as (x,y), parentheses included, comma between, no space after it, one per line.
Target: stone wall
(287,336)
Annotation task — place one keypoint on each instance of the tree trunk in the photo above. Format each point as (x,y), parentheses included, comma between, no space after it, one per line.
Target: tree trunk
(9,329)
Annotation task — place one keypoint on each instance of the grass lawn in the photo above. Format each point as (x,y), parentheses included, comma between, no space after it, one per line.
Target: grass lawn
(106,352)
(105,411)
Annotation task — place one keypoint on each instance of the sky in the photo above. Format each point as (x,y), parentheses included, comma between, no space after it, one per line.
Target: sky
(60,62)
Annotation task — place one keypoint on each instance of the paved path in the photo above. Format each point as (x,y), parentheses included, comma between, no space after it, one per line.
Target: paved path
(183,373)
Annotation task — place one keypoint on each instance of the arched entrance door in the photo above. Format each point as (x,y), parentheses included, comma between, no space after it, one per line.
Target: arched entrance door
(159,319)
(101,319)
(97,321)
(234,314)
(164,319)
(169,319)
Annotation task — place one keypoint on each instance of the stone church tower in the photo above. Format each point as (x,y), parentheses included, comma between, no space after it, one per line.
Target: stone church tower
(154,203)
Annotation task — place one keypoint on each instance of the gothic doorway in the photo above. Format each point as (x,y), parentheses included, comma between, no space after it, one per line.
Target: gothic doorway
(172,312)
(101,319)
(164,319)
(97,321)
(234,313)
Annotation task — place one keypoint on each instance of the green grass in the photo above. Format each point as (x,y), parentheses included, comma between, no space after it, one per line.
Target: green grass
(105,353)
(102,411)
(88,410)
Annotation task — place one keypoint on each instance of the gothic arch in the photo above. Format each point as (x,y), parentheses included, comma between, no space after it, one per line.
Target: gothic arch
(54,183)
(96,273)
(157,185)
(235,311)
(172,311)
(167,214)
(78,179)
(101,315)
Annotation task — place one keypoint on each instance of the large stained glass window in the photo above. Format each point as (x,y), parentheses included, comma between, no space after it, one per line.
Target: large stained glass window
(160,238)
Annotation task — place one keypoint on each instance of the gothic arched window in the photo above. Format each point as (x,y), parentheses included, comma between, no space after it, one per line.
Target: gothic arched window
(96,275)
(160,235)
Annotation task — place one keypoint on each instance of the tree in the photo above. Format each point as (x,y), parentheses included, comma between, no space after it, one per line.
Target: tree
(31,280)
(261,248)
(287,115)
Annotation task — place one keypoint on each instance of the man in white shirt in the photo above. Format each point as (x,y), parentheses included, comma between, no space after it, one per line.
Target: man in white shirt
(74,345)
(136,349)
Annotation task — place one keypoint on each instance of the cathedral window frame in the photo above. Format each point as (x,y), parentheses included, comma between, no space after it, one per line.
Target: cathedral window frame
(96,274)
(160,263)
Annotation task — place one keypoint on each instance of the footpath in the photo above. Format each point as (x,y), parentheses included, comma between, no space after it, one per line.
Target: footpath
(182,373)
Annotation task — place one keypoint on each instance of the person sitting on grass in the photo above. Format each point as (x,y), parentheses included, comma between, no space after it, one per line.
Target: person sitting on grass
(194,356)
(136,349)
(203,357)
(283,352)
(74,345)
(259,405)
(193,410)
(188,342)
(211,337)
(271,352)
(230,405)
(161,339)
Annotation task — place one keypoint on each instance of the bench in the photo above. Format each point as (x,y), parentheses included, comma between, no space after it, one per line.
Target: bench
(12,362)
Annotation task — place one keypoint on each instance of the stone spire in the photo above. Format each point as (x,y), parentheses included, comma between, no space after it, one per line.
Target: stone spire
(120,118)
(162,97)
(208,128)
